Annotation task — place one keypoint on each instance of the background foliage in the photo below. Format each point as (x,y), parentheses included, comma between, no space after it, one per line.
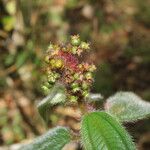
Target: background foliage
(120,39)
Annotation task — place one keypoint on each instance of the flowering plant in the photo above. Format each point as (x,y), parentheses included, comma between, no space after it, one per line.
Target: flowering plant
(68,80)
(64,67)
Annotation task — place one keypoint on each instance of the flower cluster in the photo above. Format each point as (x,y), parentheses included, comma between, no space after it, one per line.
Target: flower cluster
(63,66)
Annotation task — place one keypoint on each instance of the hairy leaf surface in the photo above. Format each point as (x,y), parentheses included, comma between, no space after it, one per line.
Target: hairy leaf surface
(57,95)
(127,106)
(100,131)
(54,139)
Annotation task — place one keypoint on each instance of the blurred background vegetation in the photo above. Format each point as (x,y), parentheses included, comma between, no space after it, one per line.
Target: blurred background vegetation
(119,33)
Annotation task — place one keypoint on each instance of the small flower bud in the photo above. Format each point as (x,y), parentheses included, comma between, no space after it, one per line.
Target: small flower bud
(64,49)
(85,85)
(80,66)
(73,99)
(51,78)
(92,68)
(45,89)
(74,50)
(48,85)
(76,89)
(51,46)
(48,71)
(52,62)
(75,40)
(88,75)
(74,85)
(76,76)
(58,63)
(46,59)
(56,47)
(56,75)
(85,93)
(84,45)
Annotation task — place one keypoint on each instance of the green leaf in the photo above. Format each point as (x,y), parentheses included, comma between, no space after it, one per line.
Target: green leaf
(101,131)
(127,106)
(57,95)
(54,139)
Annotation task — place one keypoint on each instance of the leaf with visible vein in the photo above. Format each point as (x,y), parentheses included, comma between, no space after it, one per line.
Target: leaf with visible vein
(100,131)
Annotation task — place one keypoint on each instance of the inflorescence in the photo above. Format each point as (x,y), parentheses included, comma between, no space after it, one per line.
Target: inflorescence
(63,66)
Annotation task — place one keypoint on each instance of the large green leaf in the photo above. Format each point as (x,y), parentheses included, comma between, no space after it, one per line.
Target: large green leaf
(127,106)
(100,131)
(57,95)
(54,139)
